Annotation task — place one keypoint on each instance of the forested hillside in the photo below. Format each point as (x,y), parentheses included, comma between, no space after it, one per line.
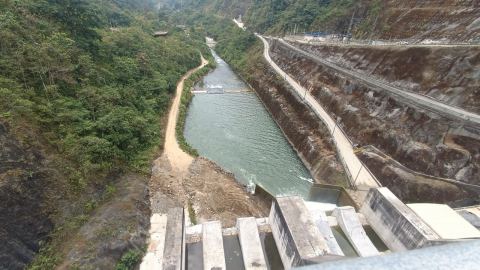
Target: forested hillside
(83,84)
(452,20)
(280,16)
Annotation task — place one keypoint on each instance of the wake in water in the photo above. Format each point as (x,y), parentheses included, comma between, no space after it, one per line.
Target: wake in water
(310,180)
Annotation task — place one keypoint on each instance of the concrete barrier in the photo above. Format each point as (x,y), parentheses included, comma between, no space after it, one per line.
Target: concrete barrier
(250,243)
(174,251)
(395,223)
(213,253)
(323,225)
(351,226)
(298,240)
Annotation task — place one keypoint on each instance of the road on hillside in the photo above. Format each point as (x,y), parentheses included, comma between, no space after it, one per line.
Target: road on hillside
(345,150)
(419,100)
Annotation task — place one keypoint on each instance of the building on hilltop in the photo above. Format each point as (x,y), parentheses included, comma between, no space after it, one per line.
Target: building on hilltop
(160,33)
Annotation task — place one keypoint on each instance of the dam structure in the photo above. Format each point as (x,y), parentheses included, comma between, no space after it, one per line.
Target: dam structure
(302,234)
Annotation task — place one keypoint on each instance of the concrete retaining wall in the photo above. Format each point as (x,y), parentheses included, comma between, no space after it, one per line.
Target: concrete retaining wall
(297,238)
(396,224)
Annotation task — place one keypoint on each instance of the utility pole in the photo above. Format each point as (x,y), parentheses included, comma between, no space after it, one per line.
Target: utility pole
(295,30)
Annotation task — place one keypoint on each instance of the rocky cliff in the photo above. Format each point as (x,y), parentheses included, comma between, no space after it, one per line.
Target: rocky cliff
(420,140)
(448,74)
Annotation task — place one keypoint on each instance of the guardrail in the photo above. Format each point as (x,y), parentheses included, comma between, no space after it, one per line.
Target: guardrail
(380,42)
(464,116)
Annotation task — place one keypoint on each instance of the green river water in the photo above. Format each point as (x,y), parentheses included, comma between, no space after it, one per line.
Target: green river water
(237,132)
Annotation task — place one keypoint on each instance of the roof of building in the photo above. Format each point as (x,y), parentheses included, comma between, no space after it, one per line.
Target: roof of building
(447,223)
(160,33)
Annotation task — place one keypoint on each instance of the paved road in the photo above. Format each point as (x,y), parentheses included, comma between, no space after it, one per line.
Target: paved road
(419,100)
(344,148)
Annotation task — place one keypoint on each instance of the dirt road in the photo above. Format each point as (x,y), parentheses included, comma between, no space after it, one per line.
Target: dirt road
(175,156)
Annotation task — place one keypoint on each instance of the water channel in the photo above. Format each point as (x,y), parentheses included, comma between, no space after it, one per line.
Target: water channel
(237,132)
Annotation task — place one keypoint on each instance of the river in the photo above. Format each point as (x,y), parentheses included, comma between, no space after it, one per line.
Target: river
(237,132)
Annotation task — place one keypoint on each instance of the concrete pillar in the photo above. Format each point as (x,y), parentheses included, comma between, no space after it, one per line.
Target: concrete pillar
(154,257)
(321,221)
(249,239)
(353,229)
(213,254)
(395,223)
(174,252)
(297,238)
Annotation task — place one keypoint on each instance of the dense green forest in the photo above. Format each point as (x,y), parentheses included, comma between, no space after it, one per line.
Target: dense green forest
(83,86)
(281,16)
(96,93)
(233,43)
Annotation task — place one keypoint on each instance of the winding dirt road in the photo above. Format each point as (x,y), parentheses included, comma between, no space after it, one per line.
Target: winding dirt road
(178,159)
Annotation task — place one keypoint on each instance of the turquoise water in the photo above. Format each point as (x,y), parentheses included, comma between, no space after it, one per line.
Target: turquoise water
(237,132)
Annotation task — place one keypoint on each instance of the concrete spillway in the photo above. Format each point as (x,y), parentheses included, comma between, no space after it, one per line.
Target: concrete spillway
(321,221)
(298,239)
(301,236)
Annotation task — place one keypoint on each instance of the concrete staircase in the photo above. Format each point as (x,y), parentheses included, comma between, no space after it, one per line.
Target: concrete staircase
(302,237)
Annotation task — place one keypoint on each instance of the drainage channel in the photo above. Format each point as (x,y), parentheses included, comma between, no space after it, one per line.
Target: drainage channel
(347,247)
(270,252)
(343,242)
(233,253)
(194,256)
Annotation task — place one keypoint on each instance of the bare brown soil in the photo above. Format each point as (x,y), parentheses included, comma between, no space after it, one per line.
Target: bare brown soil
(214,193)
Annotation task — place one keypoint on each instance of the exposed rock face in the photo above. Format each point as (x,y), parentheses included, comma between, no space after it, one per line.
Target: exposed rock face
(412,136)
(451,75)
(114,228)
(24,215)
(453,20)
(411,189)
(42,193)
